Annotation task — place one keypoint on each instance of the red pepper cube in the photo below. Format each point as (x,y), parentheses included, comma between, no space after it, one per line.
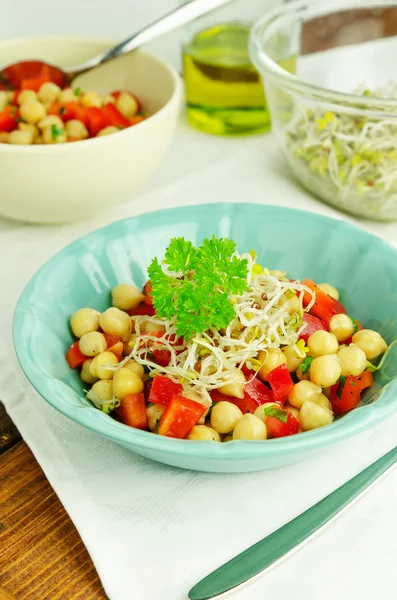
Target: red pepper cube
(180,416)
(283,425)
(312,324)
(132,411)
(164,389)
(346,394)
(324,306)
(74,356)
(280,381)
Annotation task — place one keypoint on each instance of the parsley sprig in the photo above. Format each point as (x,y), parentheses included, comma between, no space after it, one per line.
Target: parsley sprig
(196,285)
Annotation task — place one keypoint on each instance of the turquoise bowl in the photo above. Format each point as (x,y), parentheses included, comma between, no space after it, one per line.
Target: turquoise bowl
(361,266)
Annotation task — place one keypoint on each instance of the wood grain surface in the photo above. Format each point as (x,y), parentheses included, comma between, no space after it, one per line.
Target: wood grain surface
(41,554)
(9,434)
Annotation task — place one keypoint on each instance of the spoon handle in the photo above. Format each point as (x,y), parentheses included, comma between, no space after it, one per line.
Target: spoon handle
(176,18)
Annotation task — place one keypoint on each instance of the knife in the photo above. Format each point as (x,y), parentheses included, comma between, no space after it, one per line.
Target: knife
(272,548)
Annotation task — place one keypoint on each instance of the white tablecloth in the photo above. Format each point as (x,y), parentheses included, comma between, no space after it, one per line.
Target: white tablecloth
(154,531)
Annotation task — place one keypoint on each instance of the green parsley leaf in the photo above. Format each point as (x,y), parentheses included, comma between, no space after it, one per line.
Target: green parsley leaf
(355,324)
(120,126)
(195,284)
(273,411)
(56,131)
(342,381)
(306,364)
(62,110)
(77,91)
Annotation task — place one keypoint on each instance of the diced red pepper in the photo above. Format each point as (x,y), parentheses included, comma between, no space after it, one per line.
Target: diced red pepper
(117,350)
(180,416)
(312,324)
(247,371)
(324,306)
(255,394)
(111,340)
(162,357)
(147,290)
(114,117)
(132,411)
(277,428)
(346,394)
(96,120)
(280,381)
(56,109)
(142,309)
(164,389)
(8,118)
(74,356)
(74,110)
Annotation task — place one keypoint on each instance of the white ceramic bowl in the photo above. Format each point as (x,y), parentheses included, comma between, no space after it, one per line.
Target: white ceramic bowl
(69,182)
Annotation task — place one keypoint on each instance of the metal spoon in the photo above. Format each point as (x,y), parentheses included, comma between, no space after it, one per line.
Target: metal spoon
(12,74)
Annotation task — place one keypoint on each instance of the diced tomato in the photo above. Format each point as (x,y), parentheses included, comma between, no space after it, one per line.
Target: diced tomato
(346,394)
(164,389)
(74,357)
(142,309)
(147,290)
(74,110)
(180,416)
(114,117)
(132,411)
(312,324)
(280,381)
(96,120)
(162,357)
(324,306)
(8,118)
(277,428)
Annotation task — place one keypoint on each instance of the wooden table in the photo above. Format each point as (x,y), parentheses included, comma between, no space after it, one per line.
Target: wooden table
(42,556)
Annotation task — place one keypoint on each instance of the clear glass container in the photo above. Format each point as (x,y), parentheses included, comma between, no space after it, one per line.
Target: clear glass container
(336,120)
(224,92)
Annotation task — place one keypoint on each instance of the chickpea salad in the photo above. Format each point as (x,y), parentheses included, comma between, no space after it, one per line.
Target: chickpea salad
(43,113)
(217,347)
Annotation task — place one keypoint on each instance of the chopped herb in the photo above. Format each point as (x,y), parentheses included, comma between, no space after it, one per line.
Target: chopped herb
(353,383)
(77,91)
(149,404)
(18,119)
(355,324)
(56,131)
(277,413)
(305,365)
(120,126)
(342,381)
(62,110)
(156,428)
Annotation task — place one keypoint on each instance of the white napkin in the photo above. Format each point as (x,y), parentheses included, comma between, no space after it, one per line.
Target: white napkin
(153,531)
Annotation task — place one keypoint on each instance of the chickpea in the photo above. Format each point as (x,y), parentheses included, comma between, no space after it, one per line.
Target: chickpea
(313,416)
(126,296)
(103,389)
(84,321)
(50,120)
(91,98)
(225,416)
(154,414)
(85,372)
(76,129)
(370,342)
(270,360)
(100,365)
(293,360)
(116,322)
(107,131)
(235,387)
(322,400)
(28,127)
(250,428)
(330,290)
(54,135)
(294,305)
(341,326)
(152,327)
(126,381)
(322,342)
(352,360)
(4,137)
(127,104)
(260,411)
(66,96)
(291,409)
(49,92)
(127,348)
(108,99)
(26,96)
(32,111)
(22,138)
(38,140)
(302,376)
(92,343)
(3,100)
(202,432)
(303,391)
(136,367)
(325,370)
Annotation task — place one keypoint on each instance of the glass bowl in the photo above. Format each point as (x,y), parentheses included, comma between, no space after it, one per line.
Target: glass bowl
(361,266)
(336,118)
